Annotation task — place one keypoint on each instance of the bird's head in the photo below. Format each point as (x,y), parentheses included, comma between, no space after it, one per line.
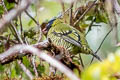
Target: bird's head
(52,23)
(49,24)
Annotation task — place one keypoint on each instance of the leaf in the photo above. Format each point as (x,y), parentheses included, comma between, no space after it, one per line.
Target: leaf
(13,72)
(1,10)
(1,68)
(41,69)
(90,18)
(101,18)
(26,61)
(8,5)
(30,22)
(17,68)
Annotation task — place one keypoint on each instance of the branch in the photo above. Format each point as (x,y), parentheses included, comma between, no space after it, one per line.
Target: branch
(117,7)
(4,38)
(109,7)
(14,12)
(70,13)
(36,22)
(27,48)
(85,12)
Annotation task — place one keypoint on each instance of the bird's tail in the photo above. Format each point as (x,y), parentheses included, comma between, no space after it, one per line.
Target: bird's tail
(97,57)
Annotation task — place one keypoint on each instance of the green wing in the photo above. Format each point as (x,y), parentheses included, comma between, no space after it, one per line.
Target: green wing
(68,38)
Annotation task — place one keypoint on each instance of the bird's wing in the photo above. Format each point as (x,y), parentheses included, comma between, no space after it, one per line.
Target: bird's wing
(70,36)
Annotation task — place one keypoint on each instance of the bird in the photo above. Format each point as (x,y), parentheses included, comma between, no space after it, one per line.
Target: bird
(65,35)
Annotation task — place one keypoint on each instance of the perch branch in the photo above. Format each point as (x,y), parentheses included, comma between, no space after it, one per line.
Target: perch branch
(27,48)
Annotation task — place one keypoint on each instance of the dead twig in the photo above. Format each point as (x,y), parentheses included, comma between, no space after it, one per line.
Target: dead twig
(63,8)
(70,13)
(85,13)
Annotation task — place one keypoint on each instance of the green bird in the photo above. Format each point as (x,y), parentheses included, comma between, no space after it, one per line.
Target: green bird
(64,35)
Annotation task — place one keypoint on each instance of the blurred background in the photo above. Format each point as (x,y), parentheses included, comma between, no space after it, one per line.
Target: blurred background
(45,10)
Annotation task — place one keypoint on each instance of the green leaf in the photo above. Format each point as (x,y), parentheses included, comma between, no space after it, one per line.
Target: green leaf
(90,18)
(101,18)
(30,22)
(41,69)
(1,10)
(1,68)
(33,6)
(18,69)
(8,5)
(26,61)
(13,72)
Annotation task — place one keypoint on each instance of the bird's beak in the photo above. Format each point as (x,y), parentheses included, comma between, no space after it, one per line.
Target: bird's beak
(45,31)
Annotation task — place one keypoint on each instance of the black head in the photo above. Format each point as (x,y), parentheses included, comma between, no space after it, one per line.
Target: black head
(48,26)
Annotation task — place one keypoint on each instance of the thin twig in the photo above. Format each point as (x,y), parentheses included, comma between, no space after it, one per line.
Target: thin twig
(26,41)
(62,4)
(16,32)
(32,17)
(81,61)
(4,38)
(34,66)
(6,11)
(21,26)
(85,13)
(70,13)
(28,73)
(76,2)
(13,27)
(62,14)
(40,35)
(63,8)
(90,26)
(101,44)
